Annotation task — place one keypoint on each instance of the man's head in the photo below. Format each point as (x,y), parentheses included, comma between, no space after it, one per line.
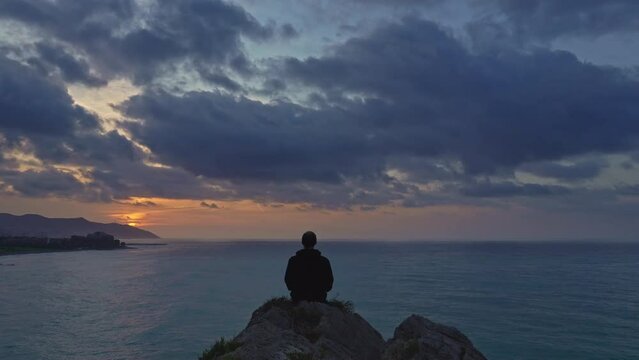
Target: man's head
(309,239)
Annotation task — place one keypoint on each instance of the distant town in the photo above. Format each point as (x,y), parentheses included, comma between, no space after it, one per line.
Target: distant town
(30,244)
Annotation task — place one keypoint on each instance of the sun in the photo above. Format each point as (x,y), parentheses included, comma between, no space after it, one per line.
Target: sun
(131,219)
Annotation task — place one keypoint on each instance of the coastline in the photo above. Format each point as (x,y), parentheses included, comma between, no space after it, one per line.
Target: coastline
(7,251)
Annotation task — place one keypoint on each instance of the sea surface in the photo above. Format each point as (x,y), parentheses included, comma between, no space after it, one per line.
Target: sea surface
(514,300)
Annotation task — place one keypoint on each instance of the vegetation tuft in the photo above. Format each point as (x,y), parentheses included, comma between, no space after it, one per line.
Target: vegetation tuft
(285,303)
(279,302)
(344,305)
(221,347)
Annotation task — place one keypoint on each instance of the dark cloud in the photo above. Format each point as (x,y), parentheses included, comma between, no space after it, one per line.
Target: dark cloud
(222,137)
(629,190)
(209,205)
(116,183)
(123,37)
(627,165)
(71,69)
(489,189)
(407,115)
(124,180)
(146,203)
(67,18)
(367,208)
(581,170)
(31,104)
(419,169)
(399,2)
(408,97)
(548,19)
(273,86)
(288,31)
(342,196)
(242,65)
(423,93)
(49,182)
(37,116)
(194,30)
(223,81)
(85,148)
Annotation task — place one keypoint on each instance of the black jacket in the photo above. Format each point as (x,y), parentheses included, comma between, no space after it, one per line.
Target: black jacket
(309,276)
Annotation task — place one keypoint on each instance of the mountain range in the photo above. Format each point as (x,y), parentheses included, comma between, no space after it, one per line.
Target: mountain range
(37,225)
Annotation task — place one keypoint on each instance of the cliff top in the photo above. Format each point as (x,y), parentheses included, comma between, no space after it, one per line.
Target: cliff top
(281,330)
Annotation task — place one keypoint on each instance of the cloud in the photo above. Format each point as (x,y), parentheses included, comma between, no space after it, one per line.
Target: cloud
(139,40)
(209,205)
(408,98)
(630,190)
(86,148)
(228,138)
(125,179)
(581,170)
(71,69)
(489,189)
(423,93)
(146,203)
(222,80)
(31,104)
(49,182)
(39,117)
(40,120)
(549,19)
(273,86)
(406,115)
(288,31)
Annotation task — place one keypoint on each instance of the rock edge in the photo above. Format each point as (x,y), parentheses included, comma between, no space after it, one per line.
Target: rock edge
(280,330)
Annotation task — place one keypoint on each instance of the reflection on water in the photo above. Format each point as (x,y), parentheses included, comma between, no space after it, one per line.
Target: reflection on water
(514,300)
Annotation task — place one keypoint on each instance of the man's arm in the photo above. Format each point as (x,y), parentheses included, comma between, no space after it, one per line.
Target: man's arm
(289,277)
(329,275)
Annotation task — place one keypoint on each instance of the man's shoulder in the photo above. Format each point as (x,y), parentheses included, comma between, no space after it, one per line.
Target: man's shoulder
(296,258)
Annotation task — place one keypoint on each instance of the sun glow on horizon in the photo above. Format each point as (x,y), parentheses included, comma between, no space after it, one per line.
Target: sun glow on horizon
(132,219)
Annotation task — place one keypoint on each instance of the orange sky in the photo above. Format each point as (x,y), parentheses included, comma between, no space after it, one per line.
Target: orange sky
(187,219)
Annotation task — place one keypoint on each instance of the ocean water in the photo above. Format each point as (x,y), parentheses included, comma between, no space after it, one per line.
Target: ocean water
(561,300)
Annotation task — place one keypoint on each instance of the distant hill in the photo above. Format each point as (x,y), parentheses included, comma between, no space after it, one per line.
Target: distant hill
(37,225)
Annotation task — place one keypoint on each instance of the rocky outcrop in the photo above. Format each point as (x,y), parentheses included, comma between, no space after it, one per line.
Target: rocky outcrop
(279,330)
(419,338)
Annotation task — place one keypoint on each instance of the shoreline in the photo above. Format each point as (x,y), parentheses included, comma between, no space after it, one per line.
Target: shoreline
(26,250)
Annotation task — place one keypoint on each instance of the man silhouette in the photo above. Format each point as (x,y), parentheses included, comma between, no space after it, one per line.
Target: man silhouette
(309,275)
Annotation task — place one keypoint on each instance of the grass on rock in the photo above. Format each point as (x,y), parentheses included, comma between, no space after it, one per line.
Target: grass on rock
(285,303)
(221,347)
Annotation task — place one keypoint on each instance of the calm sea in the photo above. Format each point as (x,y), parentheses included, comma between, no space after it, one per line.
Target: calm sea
(514,300)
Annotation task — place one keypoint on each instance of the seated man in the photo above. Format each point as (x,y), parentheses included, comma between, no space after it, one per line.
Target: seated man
(309,275)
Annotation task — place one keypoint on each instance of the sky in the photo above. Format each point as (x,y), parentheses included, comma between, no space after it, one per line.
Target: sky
(391,120)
